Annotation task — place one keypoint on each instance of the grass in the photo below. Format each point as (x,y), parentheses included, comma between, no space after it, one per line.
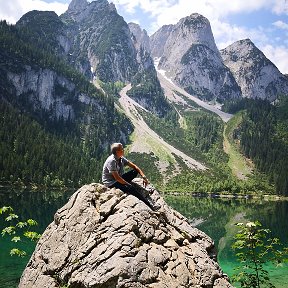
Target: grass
(238,164)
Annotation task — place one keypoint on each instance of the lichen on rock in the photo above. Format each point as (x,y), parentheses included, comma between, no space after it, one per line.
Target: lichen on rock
(105,238)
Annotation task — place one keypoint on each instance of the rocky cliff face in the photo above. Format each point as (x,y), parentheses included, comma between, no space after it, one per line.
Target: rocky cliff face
(139,37)
(101,46)
(46,90)
(146,78)
(190,57)
(141,43)
(103,238)
(95,39)
(257,76)
(159,39)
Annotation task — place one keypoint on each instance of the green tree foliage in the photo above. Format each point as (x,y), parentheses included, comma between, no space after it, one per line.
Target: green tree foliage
(52,155)
(37,147)
(18,230)
(254,249)
(16,50)
(147,89)
(263,137)
(112,88)
(42,25)
(202,138)
(202,134)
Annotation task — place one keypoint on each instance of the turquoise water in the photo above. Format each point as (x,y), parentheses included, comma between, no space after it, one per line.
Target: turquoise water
(38,205)
(216,217)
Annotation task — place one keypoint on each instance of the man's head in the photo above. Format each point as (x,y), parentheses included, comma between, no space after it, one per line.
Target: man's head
(117,149)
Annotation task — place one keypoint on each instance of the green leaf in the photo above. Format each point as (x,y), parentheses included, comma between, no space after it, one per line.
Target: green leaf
(17,252)
(21,224)
(16,239)
(5,209)
(32,235)
(32,222)
(11,217)
(8,230)
(238,244)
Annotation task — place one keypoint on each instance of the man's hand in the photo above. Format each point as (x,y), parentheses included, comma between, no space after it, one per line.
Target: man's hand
(145,181)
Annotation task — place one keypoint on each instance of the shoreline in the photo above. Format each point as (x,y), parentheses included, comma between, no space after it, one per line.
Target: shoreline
(265,197)
(223,195)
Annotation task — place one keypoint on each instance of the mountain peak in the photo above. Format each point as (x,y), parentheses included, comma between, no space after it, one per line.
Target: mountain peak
(139,36)
(77,5)
(257,76)
(195,20)
(191,58)
(243,48)
(245,42)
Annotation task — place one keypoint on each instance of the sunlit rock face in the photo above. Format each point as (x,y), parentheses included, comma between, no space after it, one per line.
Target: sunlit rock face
(105,238)
(189,56)
(257,76)
(44,89)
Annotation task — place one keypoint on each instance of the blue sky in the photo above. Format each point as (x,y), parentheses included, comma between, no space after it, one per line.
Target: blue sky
(265,22)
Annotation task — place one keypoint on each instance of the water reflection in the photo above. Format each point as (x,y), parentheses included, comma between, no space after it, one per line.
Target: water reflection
(217,218)
(39,205)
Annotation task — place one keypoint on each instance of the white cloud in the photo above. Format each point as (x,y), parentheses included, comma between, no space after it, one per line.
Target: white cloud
(136,21)
(169,11)
(280,7)
(278,56)
(281,25)
(12,10)
(226,34)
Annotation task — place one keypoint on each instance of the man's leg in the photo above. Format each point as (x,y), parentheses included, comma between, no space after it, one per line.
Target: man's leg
(130,175)
(131,191)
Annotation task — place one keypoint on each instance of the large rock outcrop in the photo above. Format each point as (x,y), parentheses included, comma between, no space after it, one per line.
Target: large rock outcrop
(104,238)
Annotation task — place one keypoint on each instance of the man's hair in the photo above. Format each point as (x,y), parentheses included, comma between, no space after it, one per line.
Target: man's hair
(115,147)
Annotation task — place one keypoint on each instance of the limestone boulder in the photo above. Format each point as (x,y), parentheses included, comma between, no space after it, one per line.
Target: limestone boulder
(105,238)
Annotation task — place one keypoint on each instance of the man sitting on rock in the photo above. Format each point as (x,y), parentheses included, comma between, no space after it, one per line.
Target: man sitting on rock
(113,175)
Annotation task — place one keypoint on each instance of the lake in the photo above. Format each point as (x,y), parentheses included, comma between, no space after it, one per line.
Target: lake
(214,216)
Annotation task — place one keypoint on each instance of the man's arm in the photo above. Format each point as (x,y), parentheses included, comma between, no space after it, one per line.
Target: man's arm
(134,166)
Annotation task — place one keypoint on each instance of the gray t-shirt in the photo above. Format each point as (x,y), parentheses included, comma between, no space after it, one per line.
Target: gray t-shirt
(111,165)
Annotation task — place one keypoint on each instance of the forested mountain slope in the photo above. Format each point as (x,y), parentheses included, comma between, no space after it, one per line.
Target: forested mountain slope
(68,123)
(263,137)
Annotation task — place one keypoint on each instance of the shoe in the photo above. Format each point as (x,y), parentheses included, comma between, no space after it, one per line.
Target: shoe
(156,207)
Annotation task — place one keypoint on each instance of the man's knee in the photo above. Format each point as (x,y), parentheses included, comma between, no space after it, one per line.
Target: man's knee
(134,172)
(130,175)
